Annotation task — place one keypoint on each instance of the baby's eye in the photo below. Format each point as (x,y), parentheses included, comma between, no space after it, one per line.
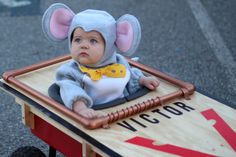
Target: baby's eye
(77,40)
(93,41)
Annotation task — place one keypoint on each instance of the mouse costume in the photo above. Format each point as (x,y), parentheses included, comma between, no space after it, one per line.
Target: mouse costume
(111,77)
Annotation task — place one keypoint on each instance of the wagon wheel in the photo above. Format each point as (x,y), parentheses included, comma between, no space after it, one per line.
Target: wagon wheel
(28,151)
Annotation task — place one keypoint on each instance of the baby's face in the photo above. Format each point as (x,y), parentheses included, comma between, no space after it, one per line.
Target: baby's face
(87,48)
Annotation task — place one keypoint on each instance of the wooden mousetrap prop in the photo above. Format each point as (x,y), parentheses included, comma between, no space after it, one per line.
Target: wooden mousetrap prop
(23,80)
(173,120)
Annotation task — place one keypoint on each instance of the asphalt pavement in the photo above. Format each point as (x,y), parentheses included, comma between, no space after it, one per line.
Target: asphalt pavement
(192,40)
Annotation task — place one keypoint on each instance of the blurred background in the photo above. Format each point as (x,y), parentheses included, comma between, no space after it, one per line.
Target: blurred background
(192,40)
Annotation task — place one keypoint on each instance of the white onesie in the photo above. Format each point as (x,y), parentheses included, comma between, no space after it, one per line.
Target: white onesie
(106,89)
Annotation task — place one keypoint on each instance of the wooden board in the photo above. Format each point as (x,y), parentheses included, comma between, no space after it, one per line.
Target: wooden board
(200,126)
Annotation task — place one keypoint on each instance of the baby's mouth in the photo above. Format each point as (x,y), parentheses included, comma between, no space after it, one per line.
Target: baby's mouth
(83,54)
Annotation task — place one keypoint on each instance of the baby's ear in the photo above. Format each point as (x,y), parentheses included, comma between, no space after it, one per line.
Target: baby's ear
(56,21)
(128,34)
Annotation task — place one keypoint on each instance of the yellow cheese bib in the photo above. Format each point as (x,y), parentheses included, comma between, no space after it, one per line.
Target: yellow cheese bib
(113,70)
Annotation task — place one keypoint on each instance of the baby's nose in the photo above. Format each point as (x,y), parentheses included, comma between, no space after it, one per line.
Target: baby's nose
(84,45)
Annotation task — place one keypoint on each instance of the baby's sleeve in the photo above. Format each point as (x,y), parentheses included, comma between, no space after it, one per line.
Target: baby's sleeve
(133,84)
(70,85)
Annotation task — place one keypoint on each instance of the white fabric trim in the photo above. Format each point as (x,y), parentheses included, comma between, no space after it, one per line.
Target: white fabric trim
(106,89)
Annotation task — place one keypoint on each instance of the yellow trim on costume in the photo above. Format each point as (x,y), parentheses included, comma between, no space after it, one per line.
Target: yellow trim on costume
(113,70)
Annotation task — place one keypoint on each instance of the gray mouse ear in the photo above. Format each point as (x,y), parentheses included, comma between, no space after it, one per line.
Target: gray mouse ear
(128,33)
(56,21)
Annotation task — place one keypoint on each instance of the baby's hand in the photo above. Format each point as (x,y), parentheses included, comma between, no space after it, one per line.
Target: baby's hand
(81,108)
(150,82)
(88,113)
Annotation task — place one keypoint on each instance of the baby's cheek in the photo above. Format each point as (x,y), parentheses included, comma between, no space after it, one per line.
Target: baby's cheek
(96,57)
(73,55)
(74,51)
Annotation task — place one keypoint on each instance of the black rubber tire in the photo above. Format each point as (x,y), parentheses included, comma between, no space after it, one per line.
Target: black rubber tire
(28,151)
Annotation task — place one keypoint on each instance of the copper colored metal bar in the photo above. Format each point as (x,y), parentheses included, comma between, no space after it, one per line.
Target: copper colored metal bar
(143,106)
(14,73)
(88,123)
(185,90)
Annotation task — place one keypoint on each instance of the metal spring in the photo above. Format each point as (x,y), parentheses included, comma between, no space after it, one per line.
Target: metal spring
(134,109)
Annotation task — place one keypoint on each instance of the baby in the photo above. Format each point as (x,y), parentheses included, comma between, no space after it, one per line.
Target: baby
(97,74)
